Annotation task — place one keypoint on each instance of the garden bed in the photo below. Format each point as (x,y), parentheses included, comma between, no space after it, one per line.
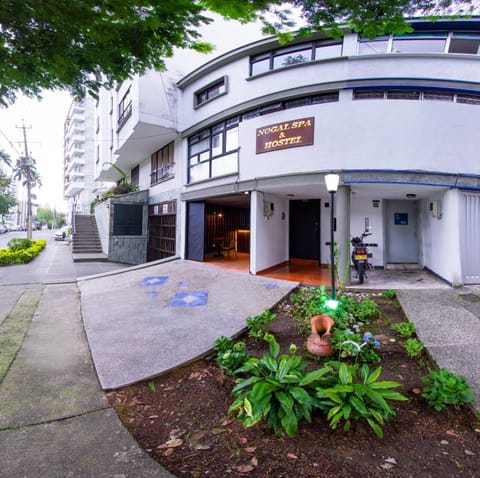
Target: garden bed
(182,420)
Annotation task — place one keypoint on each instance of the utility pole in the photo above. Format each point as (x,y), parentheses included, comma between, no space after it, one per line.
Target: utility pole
(26,164)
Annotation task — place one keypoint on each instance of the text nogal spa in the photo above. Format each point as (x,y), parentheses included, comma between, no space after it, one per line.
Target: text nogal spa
(289,134)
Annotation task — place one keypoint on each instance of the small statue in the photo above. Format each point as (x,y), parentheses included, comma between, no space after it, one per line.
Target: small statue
(319,341)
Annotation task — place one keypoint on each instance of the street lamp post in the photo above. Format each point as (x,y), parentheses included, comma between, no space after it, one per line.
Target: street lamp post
(331,181)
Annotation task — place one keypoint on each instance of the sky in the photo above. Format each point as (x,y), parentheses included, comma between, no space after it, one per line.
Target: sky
(44,122)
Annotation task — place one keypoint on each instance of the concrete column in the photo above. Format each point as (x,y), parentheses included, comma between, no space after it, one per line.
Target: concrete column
(342,234)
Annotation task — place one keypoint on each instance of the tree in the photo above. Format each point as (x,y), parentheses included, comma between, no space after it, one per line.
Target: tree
(86,44)
(4,157)
(26,172)
(7,199)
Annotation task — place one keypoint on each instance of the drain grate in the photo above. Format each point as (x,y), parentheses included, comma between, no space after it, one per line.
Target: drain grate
(470,297)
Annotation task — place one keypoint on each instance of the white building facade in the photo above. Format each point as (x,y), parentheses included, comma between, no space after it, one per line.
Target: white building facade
(239,148)
(80,187)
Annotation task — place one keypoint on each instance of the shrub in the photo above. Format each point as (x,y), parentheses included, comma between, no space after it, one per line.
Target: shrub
(389,294)
(230,354)
(445,388)
(258,325)
(345,396)
(19,243)
(413,347)
(364,310)
(405,329)
(20,255)
(275,389)
(350,344)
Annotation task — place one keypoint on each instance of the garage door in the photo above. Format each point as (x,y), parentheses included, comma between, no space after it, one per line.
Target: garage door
(471,238)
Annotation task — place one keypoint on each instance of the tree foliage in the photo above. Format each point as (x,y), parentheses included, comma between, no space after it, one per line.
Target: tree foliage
(86,44)
(7,199)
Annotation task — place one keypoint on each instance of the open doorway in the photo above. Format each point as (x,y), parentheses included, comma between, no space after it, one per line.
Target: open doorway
(218,228)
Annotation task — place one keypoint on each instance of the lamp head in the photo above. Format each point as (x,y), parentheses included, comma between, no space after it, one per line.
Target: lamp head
(331,181)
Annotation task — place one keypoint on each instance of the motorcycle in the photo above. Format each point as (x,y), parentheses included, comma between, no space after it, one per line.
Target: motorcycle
(360,256)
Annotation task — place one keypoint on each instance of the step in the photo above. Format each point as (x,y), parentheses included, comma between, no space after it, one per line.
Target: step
(408,266)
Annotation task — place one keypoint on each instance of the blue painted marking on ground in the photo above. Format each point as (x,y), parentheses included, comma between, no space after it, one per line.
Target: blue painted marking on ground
(183,283)
(189,299)
(271,286)
(153,280)
(152,293)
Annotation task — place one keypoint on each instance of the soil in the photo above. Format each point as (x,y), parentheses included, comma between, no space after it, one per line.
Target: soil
(181,420)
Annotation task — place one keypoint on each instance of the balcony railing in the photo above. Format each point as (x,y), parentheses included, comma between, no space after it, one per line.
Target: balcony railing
(162,174)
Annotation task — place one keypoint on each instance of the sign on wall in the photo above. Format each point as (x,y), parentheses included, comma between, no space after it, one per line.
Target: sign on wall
(288,134)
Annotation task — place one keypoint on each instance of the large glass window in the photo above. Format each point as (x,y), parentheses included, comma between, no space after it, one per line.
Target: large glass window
(214,151)
(414,44)
(293,55)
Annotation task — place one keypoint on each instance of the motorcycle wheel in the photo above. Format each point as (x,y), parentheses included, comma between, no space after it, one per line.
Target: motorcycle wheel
(361,272)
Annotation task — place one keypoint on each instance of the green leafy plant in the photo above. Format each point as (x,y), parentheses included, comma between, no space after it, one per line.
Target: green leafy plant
(413,347)
(348,393)
(389,294)
(445,388)
(151,386)
(19,243)
(350,344)
(405,329)
(258,325)
(275,389)
(364,310)
(20,255)
(230,354)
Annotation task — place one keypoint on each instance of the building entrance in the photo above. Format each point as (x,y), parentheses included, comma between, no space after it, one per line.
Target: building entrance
(305,229)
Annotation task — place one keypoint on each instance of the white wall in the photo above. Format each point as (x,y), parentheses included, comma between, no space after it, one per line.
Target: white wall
(370,134)
(269,236)
(102,217)
(441,237)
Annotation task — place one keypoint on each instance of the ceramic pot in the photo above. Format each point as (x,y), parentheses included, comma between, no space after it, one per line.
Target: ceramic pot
(319,341)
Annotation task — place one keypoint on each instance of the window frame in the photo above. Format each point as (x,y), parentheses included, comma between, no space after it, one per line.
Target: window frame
(162,164)
(209,92)
(125,107)
(269,57)
(205,156)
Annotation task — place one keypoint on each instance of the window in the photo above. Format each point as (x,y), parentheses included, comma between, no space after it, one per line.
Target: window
(294,55)
(465,44)
(219,87)
(428,95)
(135,176)
(162,162)
(368,95)
(373,47)
(124,108)
(418,44)
(403,95)
(213,152)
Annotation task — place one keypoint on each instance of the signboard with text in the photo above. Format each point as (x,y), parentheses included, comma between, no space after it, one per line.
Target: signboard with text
(288,134)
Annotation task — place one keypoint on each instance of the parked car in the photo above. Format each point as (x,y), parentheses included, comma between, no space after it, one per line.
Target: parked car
(62,233)
(3,229)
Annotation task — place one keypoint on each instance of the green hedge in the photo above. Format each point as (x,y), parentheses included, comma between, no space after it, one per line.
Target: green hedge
(19,255)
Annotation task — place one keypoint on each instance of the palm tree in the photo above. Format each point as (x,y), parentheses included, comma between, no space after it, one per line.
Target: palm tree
(5,157)
(26,172)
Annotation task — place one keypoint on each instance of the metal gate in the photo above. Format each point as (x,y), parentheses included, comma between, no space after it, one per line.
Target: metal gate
(471,238)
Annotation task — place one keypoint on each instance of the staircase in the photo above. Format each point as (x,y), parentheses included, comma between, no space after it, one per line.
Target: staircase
(86,243)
